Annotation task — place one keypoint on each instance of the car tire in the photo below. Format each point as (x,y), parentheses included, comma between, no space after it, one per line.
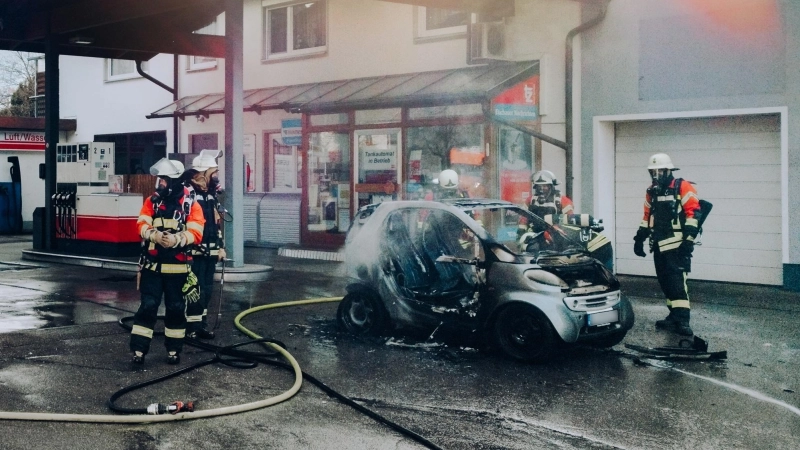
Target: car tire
(609,341)
(524,333)
(361,313)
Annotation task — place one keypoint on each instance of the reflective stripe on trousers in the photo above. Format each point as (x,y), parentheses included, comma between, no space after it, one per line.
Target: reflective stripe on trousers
(152,286)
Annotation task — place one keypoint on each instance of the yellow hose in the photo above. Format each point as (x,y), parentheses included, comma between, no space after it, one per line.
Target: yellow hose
(145,418)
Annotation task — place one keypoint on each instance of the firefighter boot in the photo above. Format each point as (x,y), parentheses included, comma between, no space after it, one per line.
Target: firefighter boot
(667,322)
(682,322)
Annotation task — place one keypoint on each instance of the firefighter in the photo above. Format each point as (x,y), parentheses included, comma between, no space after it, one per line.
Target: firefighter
(449,185)
(546,198)
(203,179)
(671,208)
(169,223)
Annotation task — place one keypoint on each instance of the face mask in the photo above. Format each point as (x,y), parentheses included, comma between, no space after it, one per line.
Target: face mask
(661,176)
(163,187)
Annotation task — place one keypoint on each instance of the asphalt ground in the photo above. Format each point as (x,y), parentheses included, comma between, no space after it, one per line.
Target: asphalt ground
(63,351)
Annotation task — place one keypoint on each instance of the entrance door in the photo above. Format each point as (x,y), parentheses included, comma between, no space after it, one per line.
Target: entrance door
(377,166)
(327,206)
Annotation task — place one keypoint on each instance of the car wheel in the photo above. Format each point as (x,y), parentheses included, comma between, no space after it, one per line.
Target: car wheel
(609,341)
(524,333)
(362,314)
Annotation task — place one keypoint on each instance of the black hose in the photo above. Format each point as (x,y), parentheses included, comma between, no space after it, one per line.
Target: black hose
(248,360)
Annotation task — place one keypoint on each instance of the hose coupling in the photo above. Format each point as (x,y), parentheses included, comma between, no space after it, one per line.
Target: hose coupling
(173,408)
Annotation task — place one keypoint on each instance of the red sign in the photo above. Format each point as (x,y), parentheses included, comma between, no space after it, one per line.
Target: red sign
(519,102)
(22,140)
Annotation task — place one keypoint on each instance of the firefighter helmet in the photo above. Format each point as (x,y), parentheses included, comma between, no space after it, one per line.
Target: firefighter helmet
(660,161)
(448,179)
(165,167)
(205,160)
(544,177)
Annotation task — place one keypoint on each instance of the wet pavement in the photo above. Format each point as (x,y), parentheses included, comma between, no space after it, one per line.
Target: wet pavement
(62,351)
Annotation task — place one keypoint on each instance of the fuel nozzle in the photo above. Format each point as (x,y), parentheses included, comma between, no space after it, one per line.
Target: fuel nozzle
(173,408)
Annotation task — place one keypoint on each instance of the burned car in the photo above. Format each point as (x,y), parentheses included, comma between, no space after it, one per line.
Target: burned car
(461,264)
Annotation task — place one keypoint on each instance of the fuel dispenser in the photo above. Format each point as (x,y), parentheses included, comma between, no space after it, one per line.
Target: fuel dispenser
(89,219)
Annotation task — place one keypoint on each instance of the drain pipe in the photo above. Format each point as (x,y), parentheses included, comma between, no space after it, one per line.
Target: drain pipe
(173,91)
(568,91)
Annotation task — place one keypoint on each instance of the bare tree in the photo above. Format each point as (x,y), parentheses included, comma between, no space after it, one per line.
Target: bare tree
(17,84)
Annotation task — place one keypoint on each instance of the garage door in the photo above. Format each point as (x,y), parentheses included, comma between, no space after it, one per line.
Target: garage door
(735,164)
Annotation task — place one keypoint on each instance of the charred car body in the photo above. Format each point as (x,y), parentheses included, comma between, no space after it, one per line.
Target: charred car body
(460,264)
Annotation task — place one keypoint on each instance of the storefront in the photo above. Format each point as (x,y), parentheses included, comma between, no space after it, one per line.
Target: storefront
(386,138)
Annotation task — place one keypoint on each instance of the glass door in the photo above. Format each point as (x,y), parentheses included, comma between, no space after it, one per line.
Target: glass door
(377,167)
(328,203)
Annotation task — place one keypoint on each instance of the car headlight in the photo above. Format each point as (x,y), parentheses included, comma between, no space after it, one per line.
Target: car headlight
(545,277)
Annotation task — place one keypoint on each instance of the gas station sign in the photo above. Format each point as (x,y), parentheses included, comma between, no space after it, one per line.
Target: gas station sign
(22,140)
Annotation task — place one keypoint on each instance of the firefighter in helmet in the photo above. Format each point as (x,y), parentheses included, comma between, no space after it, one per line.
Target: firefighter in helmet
(546,198)
(169,223)
(203,180)
(448,184)
(671,208)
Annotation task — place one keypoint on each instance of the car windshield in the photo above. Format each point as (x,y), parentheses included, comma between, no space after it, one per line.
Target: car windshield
(523,232)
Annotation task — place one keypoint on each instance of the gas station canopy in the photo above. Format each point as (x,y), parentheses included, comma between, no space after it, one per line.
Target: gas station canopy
(119,29)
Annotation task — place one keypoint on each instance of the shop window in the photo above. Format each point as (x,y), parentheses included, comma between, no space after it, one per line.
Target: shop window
(123,69)
(433,149)
(378,116)
(320,120)
(436,23)
(215,28)
(328,162)
(516,165)
(134,153)
(205,141)
(296,30)
(284,172)
(433,112)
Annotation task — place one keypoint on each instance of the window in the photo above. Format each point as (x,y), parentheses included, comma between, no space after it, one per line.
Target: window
(284,172)
(205,62)
(435,23)
(295,30)
(123,69)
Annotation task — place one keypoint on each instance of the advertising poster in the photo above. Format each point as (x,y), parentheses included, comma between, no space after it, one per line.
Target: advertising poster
(285,165)
(515,165)
(249,152)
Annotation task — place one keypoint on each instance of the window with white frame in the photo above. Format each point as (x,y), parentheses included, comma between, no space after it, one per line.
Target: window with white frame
(123,69)
(436,23)
(206,62)
(295,30)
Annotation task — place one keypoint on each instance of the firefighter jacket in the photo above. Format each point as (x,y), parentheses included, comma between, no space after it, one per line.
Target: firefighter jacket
(670,214)
(212,231)
(177,215)
(555,203)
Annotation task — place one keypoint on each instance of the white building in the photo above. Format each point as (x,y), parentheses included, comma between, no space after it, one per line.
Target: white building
(709,82)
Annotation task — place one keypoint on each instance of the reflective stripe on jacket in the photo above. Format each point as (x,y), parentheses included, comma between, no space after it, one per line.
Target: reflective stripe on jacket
(670,214)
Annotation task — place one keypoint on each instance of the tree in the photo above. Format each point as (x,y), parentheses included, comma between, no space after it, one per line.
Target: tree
(17,84)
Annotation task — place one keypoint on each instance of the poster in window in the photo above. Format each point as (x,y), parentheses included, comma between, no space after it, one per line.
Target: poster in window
(285,165)
(515,165)
(249,152)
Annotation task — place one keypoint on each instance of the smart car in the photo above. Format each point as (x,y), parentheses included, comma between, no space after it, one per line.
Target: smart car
(463,264)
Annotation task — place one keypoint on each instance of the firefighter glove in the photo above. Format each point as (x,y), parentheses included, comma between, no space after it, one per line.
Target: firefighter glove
(686,248)
(169,240)
(638,248)
(222,255)
(641,234)
(155,236)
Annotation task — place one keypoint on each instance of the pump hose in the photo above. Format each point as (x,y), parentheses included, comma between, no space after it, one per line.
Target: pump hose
(231,356)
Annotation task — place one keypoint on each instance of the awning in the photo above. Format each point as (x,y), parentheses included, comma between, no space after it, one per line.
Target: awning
(475,84)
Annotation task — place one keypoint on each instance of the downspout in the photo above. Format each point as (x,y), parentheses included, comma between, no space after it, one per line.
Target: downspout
(173,91)
(568,90)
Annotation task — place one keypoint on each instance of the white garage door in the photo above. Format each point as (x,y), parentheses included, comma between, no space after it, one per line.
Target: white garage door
(735,164)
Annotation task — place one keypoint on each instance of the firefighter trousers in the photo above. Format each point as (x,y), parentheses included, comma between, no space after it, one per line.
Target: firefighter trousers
(197,312)
(152,286)
(672,268)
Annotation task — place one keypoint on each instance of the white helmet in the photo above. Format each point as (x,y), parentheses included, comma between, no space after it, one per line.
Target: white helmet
(205,160)
(166,167)
(544,177)
(448,179)
(660,161)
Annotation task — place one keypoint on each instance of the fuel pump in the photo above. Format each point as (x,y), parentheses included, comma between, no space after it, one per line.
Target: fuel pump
(89,218)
